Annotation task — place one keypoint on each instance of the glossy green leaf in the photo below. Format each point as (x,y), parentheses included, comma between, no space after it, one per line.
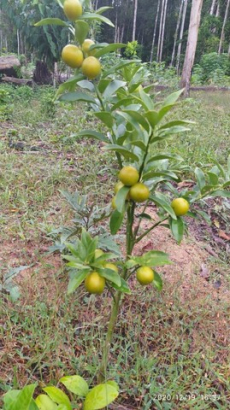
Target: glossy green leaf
(88,85)
(124,288)
(75,384)
(100,396)
(103,9)
(76,278)
(221,193)
(77,96)
(109,48)
(93,134)
(125,152)
(173,124)
(160,200)
(81,30)
(200,177)
(135,118)
(151,259)
(160,157)
(69,85)
(43,402)
(112,87)
(97,17)
(152,117)
(110,275)
(213,178)
(153,174)
(53,21)
(118,67)
(121,198)
(177,129)
(114,384)
(58,396)
(157,281)
(177,228)
(15,400)
(116,221)
(172,98)
(105,117)
(147,100)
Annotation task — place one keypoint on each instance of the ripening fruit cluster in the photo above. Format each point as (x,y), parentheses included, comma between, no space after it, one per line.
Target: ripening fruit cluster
(80,57)
(129,176)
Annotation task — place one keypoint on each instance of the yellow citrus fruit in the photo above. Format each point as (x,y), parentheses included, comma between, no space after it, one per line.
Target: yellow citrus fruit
(111,266)
(145,275)
(128,175)
(87,43)
(139,192)
(91,67)
(98,253)
(72,56)
(118,186)
(94,283)
(113,203)
(180,206)
(72,9)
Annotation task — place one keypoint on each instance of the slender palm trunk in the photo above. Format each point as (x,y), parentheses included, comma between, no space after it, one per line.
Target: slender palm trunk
(155,31)
(134,19)
(191,44)
(213,6)
(223,28)
(163,29)
(181,35)
(176,32)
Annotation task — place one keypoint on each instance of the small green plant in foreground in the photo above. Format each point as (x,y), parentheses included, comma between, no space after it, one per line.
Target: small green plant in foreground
(54,398)
(134,128)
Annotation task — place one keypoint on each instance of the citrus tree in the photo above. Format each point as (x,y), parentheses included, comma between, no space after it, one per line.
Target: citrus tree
(135,128)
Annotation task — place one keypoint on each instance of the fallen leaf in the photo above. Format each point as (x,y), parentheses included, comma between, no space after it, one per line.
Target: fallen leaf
(223,235)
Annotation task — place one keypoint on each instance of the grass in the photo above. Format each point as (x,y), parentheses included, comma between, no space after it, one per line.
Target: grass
(171,349)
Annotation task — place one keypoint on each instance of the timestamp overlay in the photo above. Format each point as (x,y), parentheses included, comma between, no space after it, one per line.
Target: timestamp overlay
(186,397)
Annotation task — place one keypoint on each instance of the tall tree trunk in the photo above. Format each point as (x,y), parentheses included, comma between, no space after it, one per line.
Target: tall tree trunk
(213,6)
(223,27)
(160,31)
(155,31)
(134,19)
(163,29)
(176,33)
(218,9)
(191,44)
(181,35)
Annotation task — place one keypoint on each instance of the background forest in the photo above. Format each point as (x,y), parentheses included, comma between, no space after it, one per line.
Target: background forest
(156,31)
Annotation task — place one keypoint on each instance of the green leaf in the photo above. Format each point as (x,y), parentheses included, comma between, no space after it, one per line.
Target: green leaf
(122,151)
(177,228)
(213,178)
(160,200)
(109,48)
(148,102)
(118,66)
(43,402)
(111,89)
(114,384)
(151,259)
(175,123)
(100,396)
(76,278)
(121,198)
(58,396)
(124,288)
(173,130)
(221,193)
(93,134)
(103,9)
(15,400)
(81,30)
(86,84)
(159,157)
(69,85)
(200,177)
(153,174)
(105,117)
(157,281)
(116,221)
(98,17)
(135,118)
(110,275)
(75,384)
(152,117)
(53,21)
(172,98)
(77,96)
